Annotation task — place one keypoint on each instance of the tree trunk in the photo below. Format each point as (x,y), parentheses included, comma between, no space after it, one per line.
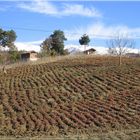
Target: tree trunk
(84,47)
(120,60)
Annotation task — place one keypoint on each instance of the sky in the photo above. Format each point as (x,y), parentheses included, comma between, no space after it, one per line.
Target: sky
(35,20)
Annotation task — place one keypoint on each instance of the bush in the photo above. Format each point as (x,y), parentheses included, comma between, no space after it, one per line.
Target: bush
(14,56)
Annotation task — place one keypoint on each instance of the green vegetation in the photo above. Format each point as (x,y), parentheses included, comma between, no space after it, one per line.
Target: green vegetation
(7,38)
(54,44)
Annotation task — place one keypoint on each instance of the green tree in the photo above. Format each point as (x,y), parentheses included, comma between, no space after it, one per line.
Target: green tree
(54,44)
(7,38)
(57,42)
(46,46)
(84,40)
(14,54)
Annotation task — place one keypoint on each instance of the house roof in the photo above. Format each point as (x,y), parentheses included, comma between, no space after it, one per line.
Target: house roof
(29,52)
(92,49)
(133,54)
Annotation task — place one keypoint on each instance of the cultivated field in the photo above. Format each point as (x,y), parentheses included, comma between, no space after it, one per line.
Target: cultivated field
(88,97)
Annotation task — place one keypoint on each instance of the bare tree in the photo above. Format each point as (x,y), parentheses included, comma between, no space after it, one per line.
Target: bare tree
(119,46)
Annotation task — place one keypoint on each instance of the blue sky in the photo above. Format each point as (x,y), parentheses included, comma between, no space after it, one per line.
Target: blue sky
(35,20)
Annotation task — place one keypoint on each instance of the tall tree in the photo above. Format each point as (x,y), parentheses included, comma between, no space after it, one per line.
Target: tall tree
(119,46)
(84,40)
(57,43)
(54,44)
(7,38)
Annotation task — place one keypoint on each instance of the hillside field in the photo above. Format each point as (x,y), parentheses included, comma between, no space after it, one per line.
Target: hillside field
(85,96)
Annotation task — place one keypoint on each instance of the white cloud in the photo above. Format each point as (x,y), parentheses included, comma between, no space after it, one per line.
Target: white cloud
(99,49)
(48,8)
(39,6)
(133,50)
(102,31)
(78,9)
(35,45)
(29,46)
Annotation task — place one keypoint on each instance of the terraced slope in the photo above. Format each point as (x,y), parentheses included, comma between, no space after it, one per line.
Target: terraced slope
(80,96)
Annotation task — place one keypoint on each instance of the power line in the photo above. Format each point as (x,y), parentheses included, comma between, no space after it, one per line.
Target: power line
(49,31)
(70,33)
(26,29)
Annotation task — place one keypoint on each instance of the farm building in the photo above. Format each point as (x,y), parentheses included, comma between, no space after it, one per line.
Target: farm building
(89,51)
(29,56)
(133,55)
